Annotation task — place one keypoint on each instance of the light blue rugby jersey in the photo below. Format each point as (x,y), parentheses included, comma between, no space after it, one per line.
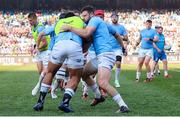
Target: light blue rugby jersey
(120,29)
(50,31)
(147,33)
(65,36)
(101,41)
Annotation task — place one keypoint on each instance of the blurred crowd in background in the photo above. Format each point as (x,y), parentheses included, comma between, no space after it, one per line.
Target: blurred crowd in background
(16,38)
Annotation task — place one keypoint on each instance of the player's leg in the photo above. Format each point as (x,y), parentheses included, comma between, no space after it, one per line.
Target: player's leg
(154,64)
(118,70)
(90,69)
(119,55)
(57,57)
(75,75)
(46,84)
(59,80)
(38,85)
(75,64)
(157,69)
(149,55)
(54,87)
(141,57)
(165,65)
(90,56)
(85,89)
(104,74)
(42,65)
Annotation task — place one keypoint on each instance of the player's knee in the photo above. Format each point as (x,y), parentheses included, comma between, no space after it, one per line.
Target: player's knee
(118,65)
(49,71)
(102,83)
(146,63)
(164,61)
(140,63)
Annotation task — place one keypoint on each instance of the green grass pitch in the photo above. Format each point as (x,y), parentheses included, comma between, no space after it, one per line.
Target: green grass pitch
(160,97)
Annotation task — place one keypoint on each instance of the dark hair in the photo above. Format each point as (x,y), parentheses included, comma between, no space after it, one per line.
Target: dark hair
(32,15)
(69,14)
(76,12)
(114,14)
(149,21)
(88,8)
(160,27)
(66,15)
(156,27)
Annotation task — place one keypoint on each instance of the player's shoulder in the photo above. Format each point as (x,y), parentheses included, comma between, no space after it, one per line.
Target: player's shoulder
(143,30)
(121,26)
(40,27)
(109,25)
(152,29)
(96,19)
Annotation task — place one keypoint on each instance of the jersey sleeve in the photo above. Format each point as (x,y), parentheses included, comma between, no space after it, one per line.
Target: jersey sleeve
(49,30)
(111,29)
(93,22)
(40,28)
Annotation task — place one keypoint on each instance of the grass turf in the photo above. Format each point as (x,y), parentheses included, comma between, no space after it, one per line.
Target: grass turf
(160,97)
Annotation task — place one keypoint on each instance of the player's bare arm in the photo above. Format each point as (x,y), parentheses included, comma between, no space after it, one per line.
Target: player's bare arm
(84,33)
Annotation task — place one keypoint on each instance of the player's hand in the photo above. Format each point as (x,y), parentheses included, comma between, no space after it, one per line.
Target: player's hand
(125,54)
(124,51)
(147,39)
(66,27)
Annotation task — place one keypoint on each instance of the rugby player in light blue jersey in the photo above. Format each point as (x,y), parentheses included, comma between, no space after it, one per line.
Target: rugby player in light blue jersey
(98,29)
(91,52)
(159,52)
(119,51)
(146,50)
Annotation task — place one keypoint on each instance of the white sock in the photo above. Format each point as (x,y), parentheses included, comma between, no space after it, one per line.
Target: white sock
(154,71)
(117,74)
(45,87)
(138,75)
(118,99)
(149,75)
(55,85)
(69,91)
(152,74)
(85,87)
(95,90)
(41,77)
(165,72)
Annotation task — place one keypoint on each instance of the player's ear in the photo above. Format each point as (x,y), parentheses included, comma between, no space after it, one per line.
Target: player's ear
(91,14)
